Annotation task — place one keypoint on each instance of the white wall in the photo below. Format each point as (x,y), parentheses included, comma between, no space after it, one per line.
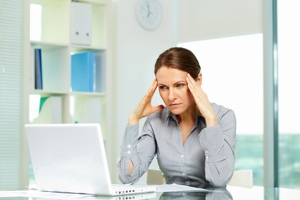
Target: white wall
(203,19)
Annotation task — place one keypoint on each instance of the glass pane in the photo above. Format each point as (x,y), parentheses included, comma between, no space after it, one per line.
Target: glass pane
(232,71)
(288,92)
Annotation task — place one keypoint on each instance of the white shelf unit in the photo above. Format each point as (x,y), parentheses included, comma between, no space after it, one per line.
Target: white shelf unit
(54,39)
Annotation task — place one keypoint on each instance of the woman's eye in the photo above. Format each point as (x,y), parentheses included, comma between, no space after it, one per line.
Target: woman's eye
(162,87)
(180,85)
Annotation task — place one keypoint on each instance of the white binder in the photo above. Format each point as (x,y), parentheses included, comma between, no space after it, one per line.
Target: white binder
(81,23)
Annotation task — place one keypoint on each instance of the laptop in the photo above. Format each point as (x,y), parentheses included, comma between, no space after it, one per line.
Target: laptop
(71,158)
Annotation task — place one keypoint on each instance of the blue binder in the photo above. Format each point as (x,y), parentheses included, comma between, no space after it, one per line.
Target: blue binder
(38,74)
(83,67)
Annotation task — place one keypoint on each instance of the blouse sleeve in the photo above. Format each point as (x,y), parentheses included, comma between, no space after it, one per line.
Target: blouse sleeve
(140,150)
(218,143)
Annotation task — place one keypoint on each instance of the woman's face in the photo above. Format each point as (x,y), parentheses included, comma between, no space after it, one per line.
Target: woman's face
(173,89)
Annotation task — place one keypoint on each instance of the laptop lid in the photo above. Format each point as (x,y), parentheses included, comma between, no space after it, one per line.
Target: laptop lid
(69,158)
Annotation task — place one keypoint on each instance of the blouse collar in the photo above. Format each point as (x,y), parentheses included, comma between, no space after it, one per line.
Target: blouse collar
(171,116)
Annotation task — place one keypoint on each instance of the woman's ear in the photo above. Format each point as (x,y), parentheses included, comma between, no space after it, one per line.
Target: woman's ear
(199,79)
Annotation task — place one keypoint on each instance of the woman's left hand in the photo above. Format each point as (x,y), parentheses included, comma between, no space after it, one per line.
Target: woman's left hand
(202,102)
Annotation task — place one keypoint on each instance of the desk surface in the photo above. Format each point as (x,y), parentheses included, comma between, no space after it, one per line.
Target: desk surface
(231,193)
(238,193)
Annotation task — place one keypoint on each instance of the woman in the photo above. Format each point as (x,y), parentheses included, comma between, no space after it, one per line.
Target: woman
(193,139)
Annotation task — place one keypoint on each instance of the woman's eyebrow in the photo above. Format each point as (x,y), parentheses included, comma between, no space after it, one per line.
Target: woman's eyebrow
(179,82)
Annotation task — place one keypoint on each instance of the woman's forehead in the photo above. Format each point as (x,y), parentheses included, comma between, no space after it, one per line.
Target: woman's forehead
(168,75)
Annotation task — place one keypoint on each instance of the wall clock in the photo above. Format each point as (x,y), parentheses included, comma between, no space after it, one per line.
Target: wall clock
(149,13)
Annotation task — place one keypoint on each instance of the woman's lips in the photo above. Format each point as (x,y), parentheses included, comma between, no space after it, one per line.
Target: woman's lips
(174,104)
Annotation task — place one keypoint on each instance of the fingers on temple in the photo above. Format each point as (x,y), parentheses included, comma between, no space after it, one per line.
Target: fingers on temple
(192,84)
(152,89)
(194,88)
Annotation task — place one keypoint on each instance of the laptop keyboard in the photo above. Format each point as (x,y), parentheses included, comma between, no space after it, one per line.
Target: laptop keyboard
(129,189)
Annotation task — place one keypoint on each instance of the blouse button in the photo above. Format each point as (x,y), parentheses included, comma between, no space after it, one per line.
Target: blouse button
(206,154)
(182,156)
(128,146)
(128,152)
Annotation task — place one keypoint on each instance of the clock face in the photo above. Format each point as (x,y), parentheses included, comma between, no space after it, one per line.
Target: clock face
(149,13)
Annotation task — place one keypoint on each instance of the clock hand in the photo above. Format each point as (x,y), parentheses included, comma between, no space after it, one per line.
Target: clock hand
(148,11)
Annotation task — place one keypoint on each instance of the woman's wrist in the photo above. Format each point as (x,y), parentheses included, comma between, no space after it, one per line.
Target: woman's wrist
(133,120)
(211,121)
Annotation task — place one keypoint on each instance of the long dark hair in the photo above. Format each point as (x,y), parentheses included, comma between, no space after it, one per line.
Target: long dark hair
(179,58)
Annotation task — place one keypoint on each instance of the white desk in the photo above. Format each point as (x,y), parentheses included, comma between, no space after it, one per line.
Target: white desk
(231,193)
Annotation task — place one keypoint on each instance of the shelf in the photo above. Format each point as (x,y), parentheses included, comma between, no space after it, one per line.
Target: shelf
(48,45)
(54,23)
(103,2)
(48,92)
(50,28)
(80,48)
(88,94)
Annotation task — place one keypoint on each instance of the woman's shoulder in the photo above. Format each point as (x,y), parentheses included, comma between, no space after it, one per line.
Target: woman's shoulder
(220,109)
(226,117)
(161,115)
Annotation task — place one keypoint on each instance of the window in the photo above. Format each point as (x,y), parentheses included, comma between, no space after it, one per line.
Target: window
(232,71)
(11,29)
(288,95)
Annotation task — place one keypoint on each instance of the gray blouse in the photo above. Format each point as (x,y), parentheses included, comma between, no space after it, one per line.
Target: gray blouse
(207,156)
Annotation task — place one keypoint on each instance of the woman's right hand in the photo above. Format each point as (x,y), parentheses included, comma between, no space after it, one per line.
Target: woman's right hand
(144,108)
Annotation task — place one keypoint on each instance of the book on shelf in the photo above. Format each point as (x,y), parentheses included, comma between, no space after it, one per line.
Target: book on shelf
(50,110)
(83,72)
(38,73)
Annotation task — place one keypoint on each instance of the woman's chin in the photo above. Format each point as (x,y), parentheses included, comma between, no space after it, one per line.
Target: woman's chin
(176,111)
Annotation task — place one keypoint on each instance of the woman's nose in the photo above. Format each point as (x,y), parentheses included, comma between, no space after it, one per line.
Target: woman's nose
(172,94)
